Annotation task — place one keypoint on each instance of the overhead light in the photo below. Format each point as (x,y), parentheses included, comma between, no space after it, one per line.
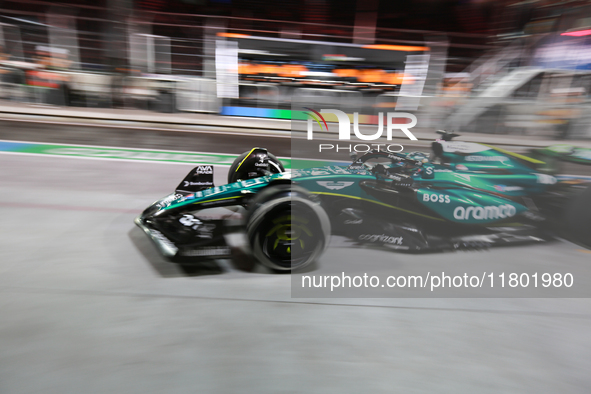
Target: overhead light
(259,52)
(342,58)
(457,75)
(61,51)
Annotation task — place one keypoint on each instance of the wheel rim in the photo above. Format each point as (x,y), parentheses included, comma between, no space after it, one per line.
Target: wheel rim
(287,236)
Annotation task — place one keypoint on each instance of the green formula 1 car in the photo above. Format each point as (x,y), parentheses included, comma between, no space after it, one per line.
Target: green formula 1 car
(460,196)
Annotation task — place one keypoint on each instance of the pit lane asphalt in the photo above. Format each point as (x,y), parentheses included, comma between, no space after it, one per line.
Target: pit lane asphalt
(87,306)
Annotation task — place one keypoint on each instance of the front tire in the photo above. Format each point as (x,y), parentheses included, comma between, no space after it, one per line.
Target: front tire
(285,229)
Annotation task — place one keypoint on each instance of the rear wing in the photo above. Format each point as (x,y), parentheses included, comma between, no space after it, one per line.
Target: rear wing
(565,152)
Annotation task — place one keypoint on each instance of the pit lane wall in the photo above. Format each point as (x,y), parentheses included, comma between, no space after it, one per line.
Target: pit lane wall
(188,131)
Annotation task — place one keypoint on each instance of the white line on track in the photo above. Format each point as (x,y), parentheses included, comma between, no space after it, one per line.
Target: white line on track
(139,150)
(118,147)
(108,158)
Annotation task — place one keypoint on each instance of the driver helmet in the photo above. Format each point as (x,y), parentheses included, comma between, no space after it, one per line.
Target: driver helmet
(253,164)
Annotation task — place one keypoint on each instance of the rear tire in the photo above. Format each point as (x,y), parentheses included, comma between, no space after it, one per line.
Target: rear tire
(285,229)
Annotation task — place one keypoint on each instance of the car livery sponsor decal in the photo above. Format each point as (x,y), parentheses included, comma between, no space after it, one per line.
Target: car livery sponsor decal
(190,221)
(383,238)
(490,212)
(208,170)
(207,251)
(353,221)
(263,161)
(233,186)
(434,197)
(359,167)
(334,185)
(204,230)
(168,200)
(187,183)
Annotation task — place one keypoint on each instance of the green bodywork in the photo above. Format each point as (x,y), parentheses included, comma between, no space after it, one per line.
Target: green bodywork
(469,184)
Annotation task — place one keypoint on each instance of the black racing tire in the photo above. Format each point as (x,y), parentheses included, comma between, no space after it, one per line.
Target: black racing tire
(275,166)
(578,218)
(285,228)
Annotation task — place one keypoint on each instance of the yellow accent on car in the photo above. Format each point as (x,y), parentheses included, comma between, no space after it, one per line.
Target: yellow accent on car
(217,199)
(246,157)
(523,157)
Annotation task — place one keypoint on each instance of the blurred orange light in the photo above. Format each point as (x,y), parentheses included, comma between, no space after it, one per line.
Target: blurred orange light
(346,72)
(232,35)
(405,48)
(247,68)
(385,105)
(292,70)
(401,78)
(371,76)
(268,69)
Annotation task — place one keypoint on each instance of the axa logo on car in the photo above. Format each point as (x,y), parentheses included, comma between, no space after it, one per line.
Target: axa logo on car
(208,170)
(490,212)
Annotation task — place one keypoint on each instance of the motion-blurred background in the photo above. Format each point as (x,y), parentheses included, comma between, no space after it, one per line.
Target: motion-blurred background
(485,66)
(88,305)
